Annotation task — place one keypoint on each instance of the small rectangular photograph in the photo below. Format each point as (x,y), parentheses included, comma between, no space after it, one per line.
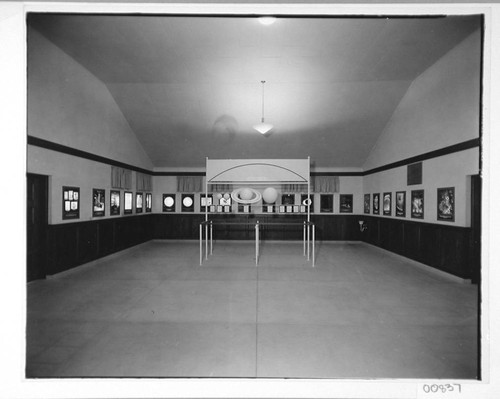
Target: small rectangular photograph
(326,203)
(346,201)
(114,203)
(417,204)
(71,203)
(149,202)
(387,203)
(446,204)
(366,203)
(127,202)
(98,202)
(401,203)
(376,204)
(139,202)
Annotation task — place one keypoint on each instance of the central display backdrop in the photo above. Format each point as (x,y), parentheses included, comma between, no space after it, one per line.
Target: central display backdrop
(258,171)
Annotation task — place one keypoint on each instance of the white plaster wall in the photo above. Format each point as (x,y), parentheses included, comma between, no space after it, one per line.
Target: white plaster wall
(70,106)
(440,108)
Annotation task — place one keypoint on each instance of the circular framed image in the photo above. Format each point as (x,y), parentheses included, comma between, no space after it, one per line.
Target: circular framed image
(168,201)
(187,202)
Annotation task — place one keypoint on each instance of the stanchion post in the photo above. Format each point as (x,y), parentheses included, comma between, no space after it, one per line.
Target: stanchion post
(211,239)
(206,241)
(313,242)
(308,240)
(304,238)
(257,243)
(201,244)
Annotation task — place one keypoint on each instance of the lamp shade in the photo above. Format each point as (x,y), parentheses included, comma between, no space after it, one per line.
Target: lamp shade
(263,128)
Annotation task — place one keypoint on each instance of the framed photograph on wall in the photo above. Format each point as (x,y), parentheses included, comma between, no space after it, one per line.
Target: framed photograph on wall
(168,203)
(139,197)
(205,201)
(307,202)
(71,202)
(345,205)
(326,203)
(287,199)
(366,203)
(149,202)
(98,202)
(387,203)
(127,202)
(376,204)
(401,203)
(446,204)
(187,204)
(114,203)
(417,204)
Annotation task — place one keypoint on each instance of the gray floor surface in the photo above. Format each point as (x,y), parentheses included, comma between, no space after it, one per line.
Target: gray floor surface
(153,311)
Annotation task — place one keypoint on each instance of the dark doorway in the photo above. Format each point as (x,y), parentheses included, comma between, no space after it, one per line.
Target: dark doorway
(475,258)
(37,221)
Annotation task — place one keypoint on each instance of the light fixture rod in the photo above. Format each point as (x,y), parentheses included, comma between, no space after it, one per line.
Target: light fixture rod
(263,81)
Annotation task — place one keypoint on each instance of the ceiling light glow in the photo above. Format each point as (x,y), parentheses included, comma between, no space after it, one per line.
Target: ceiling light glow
(267,20)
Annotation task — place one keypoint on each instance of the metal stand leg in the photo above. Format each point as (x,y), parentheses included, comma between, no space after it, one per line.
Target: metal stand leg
(313,242)
(201,244)
(256,243)
(211,239)
(304,238)
(206,241)
(308,233)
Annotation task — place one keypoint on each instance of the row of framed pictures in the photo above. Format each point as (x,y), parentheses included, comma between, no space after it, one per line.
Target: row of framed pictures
(445,204)
(71,202)
(287,205)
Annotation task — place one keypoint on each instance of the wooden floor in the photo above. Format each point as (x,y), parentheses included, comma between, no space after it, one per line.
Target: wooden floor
(153,311)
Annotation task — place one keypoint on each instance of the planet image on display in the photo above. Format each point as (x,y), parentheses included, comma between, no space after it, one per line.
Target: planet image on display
(168,201)
(270,195)
(246,194)
(187,201)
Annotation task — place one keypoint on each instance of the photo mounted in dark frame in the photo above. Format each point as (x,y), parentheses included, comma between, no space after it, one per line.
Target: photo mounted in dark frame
(401,203)
(366,203)
(149,202)
(376,204)
(98,202)
(168,203)
(127,202)
(345,205)
(205,201)
(71,202)
(287,199)
(326,203)
(387,204)
(307,202)
(187,204)
(114,203)
(139,202)
(446,204)
(417,204)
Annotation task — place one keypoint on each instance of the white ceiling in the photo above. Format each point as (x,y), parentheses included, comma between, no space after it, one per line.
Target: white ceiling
(190,86)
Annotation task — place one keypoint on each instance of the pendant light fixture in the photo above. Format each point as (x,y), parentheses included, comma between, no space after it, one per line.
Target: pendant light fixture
(263,127)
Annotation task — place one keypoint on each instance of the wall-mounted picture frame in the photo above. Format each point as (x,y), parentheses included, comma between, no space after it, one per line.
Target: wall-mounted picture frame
(127,202)
(114,202)
(149,202)
(225,199)
(287,199)
(326,203)
(414,174)
(400,205)
(417,204)
(71,202)
(366,203)
(387,204)
(187,203)
(376,204)
(139,202)
(206,201)
(446,204)
(168,203)
(346,203)
(98,202)
(307,202)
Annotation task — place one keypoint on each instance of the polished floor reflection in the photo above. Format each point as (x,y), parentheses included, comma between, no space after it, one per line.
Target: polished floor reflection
(153,311)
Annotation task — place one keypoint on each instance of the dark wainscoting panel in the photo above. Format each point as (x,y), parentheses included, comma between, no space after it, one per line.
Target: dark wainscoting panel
(441,246)
(73,244)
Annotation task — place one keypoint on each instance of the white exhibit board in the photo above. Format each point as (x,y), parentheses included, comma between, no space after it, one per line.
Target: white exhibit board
(258,171)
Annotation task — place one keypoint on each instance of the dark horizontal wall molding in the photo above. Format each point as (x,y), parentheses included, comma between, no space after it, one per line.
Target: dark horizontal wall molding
(465,145)
(49,145)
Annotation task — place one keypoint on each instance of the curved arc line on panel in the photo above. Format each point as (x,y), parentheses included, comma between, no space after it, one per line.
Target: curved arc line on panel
(303,179)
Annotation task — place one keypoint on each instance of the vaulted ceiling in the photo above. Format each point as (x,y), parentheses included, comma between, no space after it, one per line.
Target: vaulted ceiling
(190,86)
